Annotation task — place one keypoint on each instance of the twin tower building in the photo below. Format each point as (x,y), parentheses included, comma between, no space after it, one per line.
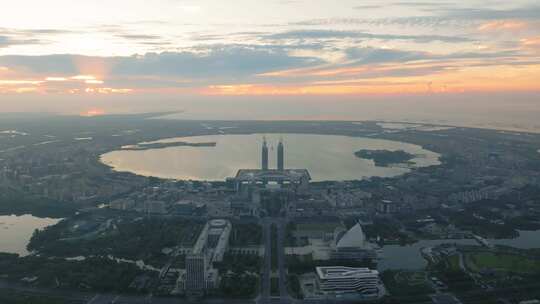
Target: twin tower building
(280,153)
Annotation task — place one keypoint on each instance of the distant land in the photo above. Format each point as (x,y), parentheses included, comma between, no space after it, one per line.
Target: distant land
(385,158)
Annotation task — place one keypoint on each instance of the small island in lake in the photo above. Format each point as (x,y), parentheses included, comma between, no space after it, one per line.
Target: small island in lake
(168,145)
(385,158)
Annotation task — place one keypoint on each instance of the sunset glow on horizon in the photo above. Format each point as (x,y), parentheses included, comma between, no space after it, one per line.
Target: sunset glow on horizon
(240,48)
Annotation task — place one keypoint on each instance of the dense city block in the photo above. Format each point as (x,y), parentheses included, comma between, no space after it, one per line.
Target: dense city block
(270,232)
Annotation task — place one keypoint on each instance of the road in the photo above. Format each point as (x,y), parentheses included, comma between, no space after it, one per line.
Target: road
(116,299)
(283,293)
(267,263)
(265,296)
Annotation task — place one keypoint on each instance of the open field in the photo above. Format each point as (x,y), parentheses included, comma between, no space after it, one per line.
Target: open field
(502,262)
(407,283)
(453,262)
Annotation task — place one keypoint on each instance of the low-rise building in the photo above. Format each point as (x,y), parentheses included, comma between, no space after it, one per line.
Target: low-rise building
(352,245)
(340,280)
(156,207)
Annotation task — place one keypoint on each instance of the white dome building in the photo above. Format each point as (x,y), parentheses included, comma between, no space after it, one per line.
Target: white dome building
(353,246)
(355,237)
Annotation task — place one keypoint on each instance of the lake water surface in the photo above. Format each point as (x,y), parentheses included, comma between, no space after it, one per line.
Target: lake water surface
(16,231)
(327,157)
(409,257)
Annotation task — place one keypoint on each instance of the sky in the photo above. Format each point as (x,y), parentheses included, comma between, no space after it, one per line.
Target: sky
(90,57)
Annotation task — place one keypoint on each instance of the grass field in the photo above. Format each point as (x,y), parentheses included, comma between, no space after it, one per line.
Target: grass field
(274,287)
(502,262)
(411,278)
(406,283)
(453,262)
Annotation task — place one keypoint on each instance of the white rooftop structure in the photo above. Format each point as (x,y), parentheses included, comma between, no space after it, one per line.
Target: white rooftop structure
(215,229)
(355,237)
(218,223)
(338,279)
(340,272)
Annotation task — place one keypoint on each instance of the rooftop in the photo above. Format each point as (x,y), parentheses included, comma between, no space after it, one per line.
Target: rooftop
(294,175)
(353,238)
(340,272)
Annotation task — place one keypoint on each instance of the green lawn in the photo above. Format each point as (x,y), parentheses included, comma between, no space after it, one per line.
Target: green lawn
(503,262)
(412,278)
(274,287)
(453,262)
(406,283)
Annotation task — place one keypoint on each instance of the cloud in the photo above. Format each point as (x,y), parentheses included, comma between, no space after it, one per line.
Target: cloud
(404,4)
(370,55)
(503,25)
(423,4)
(139,37)
(53,64)
(532,43)
(525,12)
(13,37)
(332,34)
(414,21)
(367,6)
(225,64)
(6,41)
(436,15)
(369,62)
(222,61)
(32,32)
(209,62)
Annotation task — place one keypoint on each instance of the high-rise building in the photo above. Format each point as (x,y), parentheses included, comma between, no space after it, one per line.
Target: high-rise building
(280,152)
(195,274)
(210,247)
(264,157)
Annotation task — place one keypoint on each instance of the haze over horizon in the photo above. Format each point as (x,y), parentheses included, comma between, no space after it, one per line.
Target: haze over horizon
(412,60)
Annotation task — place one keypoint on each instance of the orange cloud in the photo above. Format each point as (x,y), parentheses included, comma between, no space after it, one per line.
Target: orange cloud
(19,82)
(93,112)
(18,90)
(465,79)
(503,25)
(96,66)
(531,43)
(107,91)
(93,81)
(83,77)
(56,79)
(331,89)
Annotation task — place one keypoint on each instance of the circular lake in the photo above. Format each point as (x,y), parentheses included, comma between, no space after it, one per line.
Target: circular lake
(327,157)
